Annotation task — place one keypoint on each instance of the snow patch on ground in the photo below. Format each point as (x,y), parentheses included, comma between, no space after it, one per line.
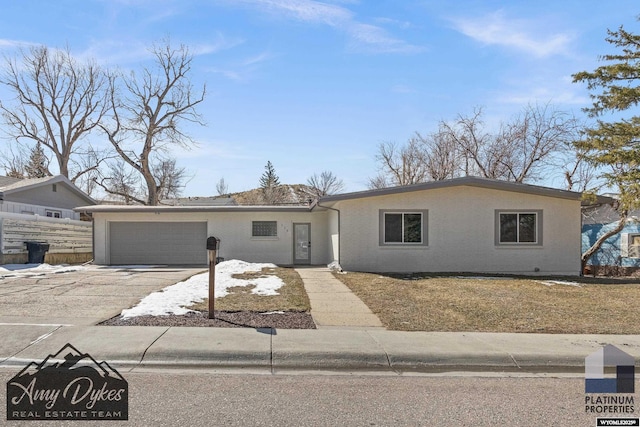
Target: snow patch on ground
(559,282)
(30,270)
(173,299)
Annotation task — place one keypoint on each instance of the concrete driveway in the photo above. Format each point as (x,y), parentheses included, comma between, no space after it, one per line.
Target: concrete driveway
(86,296)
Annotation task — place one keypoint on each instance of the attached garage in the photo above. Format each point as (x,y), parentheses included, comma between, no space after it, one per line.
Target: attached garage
(173,243)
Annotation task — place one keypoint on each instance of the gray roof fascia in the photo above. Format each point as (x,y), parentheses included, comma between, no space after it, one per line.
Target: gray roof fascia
(459,182)
(142,209)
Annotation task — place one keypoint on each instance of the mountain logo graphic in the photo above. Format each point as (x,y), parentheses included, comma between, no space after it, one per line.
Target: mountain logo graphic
(68,385)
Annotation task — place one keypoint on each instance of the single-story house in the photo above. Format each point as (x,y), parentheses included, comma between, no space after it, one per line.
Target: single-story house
(619,253)
(465,224)
(52,196)
(42,210)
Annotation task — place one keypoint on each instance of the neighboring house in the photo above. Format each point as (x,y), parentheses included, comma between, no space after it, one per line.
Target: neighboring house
(459,225)
(41,209)
(619,253)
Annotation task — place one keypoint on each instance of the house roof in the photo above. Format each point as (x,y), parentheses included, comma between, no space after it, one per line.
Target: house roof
(7,180)
(14,185)
(323,201)
(201,201)
(469,181)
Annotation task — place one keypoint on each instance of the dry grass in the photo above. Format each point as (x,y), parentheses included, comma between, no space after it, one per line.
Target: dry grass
(292,296)
(421,303)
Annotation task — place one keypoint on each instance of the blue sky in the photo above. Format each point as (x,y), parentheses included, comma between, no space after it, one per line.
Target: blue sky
(314,86)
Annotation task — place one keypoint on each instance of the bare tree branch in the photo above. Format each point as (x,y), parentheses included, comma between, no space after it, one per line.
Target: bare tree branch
(149,116)
(325,184)
(59,101)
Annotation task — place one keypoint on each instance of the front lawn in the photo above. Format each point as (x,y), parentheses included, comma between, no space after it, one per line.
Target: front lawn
(290,297)
(499,304)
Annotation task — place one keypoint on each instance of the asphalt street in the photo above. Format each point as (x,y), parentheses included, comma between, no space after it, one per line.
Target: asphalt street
(200,398)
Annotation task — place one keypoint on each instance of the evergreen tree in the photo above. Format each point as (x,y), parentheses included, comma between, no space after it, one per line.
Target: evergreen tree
(272,192)
(38,165)
(616,88)
(269,178)
(614,146)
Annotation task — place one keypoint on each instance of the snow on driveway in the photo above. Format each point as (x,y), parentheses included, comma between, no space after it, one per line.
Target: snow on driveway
(31,270)
(173,299)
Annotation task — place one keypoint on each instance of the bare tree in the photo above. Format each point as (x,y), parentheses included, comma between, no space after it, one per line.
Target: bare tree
(442,159)
(146,120)
(579,174)
(169,177)
(122,182)
(482,153)
(379,181)
(531,139)
(400,164)
(59,101)
(325,184)
(519,150)
(14,162)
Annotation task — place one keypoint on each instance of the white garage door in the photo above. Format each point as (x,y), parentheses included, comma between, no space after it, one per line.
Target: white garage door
(171,243)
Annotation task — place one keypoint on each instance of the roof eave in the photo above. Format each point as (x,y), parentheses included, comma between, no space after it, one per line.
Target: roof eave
(459,182)
(180,209)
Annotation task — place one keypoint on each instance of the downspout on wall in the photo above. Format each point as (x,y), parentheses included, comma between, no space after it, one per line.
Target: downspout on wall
(339,231)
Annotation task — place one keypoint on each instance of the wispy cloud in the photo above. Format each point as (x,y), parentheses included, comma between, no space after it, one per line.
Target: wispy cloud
(363,36)
(14,44)
(519,34)
(372,38)
(242,70)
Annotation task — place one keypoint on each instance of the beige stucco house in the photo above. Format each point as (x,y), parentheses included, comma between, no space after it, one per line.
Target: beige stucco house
(459,225)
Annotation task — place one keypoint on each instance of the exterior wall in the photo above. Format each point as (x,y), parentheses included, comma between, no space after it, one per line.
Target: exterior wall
(24,208)
(461,231)
(609,254)
(234,231)
(44,195)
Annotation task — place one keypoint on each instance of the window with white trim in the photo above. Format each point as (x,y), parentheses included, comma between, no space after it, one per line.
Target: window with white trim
(264,229)
(403,227)
(630,245)
(53,214)
(518,227)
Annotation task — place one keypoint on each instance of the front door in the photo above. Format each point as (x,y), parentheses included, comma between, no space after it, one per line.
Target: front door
(302,243)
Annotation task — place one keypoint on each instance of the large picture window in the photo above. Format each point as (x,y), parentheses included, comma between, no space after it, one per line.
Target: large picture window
(403,228)
(264,229)
(518,227)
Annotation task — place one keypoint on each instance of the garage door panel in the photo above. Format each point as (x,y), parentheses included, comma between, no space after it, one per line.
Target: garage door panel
(158,243)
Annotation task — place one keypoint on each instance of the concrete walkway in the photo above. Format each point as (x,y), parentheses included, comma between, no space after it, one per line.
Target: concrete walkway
(332,303)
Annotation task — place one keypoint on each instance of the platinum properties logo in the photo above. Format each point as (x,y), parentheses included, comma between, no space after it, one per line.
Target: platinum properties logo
(68,386)
(609,379)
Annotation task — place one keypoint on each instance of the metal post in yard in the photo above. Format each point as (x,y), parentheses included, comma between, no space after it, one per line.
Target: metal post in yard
(212,249)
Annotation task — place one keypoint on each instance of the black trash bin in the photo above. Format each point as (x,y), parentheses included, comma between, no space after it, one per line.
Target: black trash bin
(37,251)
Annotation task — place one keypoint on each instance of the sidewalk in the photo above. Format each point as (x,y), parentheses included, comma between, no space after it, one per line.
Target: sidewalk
(332,303)
(272,351)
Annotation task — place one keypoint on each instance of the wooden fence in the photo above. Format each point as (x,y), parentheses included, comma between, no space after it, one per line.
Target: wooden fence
(64,236)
